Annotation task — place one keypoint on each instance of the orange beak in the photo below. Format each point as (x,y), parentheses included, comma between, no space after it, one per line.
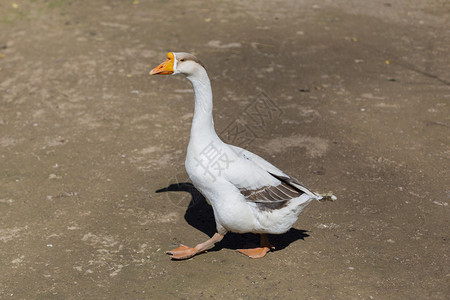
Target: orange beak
(166,67)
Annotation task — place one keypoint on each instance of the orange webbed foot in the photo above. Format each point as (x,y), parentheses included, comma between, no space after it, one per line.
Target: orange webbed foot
(182,252)
(261,251)
(255,252)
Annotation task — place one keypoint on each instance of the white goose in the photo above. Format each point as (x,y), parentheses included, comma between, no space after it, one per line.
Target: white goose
(247,193)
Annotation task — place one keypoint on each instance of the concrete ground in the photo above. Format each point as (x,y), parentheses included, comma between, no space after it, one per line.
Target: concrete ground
(92,183)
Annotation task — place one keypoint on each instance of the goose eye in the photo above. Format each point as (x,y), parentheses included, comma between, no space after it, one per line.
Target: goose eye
(182,59)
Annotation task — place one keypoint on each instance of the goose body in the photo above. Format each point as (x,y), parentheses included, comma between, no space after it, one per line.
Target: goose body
(247,193)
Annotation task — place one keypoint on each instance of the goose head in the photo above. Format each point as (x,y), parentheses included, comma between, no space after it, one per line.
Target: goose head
(179,63)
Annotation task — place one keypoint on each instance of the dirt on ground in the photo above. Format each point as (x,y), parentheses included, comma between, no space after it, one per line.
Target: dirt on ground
(92,183)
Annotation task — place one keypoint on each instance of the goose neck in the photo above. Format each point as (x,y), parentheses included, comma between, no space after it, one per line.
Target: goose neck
(202,122)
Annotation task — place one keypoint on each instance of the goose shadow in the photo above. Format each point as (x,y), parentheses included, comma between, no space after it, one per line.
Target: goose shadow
(200,215)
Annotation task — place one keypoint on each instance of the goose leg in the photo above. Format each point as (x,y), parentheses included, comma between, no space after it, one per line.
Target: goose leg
(184,252)
(261,251)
